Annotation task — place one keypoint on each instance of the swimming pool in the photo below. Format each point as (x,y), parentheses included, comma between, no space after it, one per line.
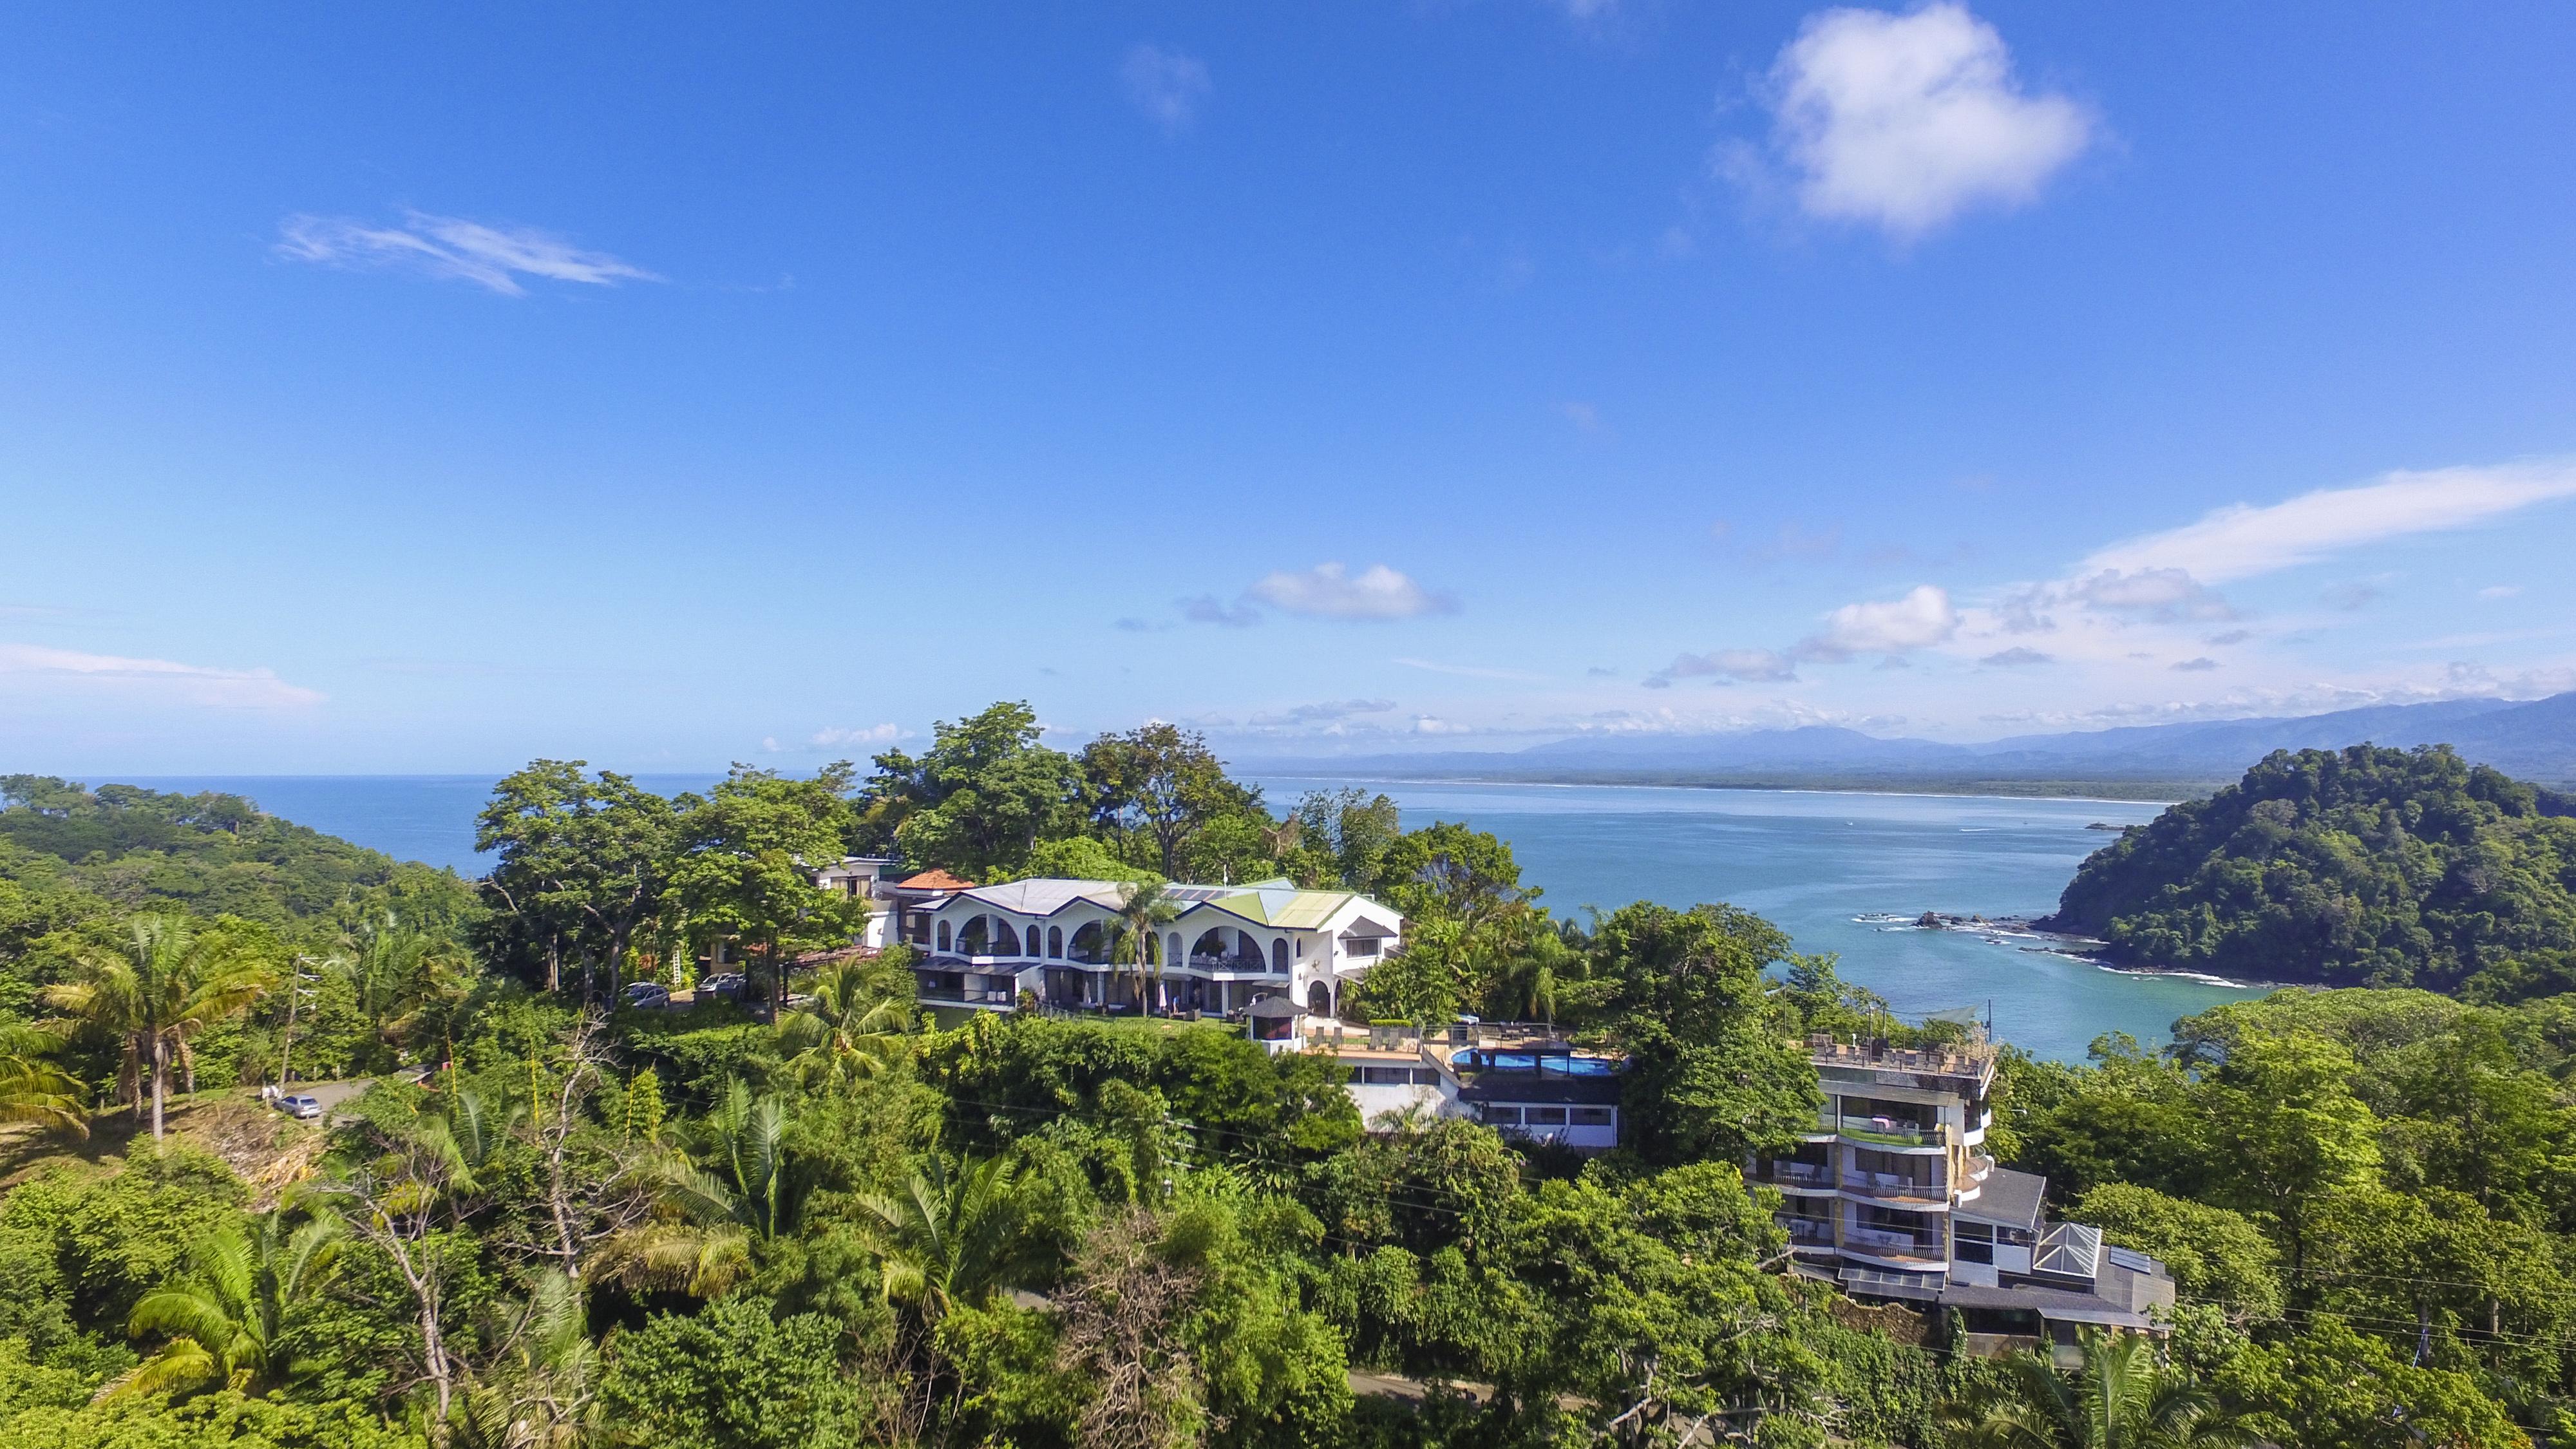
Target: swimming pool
(1546,1064)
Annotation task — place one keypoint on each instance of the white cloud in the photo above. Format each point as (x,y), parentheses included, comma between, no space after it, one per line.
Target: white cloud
(1904,121)
(1922,618)
(1329,591)
(1166,85)
(835,738)
(2243,540)
(33,666)
(492,257)
(2500,591)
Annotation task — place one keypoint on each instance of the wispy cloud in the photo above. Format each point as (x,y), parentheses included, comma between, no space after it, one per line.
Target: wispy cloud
(490,256)
(1331,591)
(25,668)
(1728,666)
(1322,712)
(1209,609)
(2243,540)
(835,738)
(2016,657)
(1904,121)
(1469,671)
(1167,85)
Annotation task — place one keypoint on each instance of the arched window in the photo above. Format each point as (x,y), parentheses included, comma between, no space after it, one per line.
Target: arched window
(1319,1000)
(976,939)
(1055,942)
(1211,947)
(1279,953)
(1006,941)
(1172,949)
(1088,945)
(943,935)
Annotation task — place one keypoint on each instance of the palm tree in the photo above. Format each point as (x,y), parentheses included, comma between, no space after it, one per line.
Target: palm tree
(711,1220)
(1145,908)
(392,970)
(953,1236)
(35,1090)
(2118,1397)
(853,1026)
(541,1393)
(224,1319)
(167,985)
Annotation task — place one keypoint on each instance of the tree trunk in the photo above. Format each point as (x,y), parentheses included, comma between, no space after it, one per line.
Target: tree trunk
(554,964)
(160,1078)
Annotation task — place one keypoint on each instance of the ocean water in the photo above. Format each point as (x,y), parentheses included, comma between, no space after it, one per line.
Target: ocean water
(1821,865)
(1825,866)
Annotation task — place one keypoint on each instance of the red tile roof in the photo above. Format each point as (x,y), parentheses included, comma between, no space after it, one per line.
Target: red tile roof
(937,880)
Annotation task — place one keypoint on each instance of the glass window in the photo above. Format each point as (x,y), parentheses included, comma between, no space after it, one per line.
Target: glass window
(1591,1116)
(1425,1077)
(1055,942)
(1544,1116)
(1496,1116)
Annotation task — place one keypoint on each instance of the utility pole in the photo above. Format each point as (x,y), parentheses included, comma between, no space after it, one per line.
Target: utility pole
(296,991)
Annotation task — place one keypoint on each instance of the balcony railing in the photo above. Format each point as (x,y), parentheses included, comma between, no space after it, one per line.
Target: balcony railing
(1889,1129)
(1808,1230)
(1232,963)
(1804,1174)
(1886,1242)
(967,998)
(1888,1184)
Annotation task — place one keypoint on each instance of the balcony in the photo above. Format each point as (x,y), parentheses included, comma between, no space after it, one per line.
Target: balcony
(1894,1131)
(1893,1187)
(1894,1244)
(1808,1232)
(1238,963)
(1789,1176)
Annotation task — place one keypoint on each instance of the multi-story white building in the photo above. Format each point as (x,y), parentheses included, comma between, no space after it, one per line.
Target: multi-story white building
(1893,1195)
(984,946)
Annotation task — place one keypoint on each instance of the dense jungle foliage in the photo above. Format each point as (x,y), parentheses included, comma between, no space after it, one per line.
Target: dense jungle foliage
(2358,867)
(819,1217)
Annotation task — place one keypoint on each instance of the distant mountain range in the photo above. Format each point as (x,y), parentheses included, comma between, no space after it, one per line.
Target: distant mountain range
(2531,740)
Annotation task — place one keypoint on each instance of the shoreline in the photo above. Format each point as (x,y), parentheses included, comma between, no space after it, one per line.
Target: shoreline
(2163,800)
(1994,930)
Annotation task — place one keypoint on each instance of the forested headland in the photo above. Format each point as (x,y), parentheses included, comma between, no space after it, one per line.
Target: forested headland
(2355,867)
(814,1217)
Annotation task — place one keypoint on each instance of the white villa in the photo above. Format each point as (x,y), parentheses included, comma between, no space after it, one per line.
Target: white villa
(985,945)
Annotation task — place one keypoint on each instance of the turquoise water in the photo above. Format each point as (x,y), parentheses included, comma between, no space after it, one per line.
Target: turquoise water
(1817,863)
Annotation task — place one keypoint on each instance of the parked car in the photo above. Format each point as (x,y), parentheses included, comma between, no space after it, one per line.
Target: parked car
(648,996)
(302,1108)
(725,984)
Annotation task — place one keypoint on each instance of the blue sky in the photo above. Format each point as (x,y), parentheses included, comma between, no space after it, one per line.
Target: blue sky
(431,391)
